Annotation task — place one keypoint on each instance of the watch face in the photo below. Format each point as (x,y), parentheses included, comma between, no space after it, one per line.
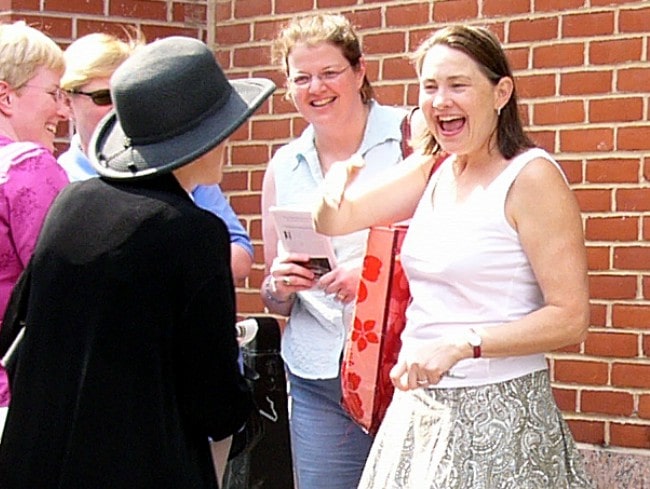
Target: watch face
(474,339)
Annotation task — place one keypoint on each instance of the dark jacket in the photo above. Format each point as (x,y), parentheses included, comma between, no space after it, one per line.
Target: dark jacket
(129,361)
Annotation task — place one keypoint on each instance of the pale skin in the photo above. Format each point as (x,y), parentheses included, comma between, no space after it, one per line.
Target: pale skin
(33,111)
(540,208)
(339,117)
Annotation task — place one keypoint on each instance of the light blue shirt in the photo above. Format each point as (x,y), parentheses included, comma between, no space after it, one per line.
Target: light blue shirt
(210,198)
(315,334)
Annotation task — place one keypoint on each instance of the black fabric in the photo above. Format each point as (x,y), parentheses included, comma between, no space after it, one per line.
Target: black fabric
(129,360)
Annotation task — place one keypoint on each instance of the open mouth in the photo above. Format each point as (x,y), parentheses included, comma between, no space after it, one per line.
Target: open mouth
(51,128)
(451,125)
(322,102)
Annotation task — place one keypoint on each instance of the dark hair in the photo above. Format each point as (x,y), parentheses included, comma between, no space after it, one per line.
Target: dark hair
(314,29)
(484,47)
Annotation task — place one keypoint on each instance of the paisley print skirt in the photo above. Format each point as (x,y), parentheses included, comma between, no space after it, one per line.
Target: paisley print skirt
(508,435)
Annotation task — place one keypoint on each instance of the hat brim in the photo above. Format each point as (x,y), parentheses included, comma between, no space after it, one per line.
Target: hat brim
(115,157)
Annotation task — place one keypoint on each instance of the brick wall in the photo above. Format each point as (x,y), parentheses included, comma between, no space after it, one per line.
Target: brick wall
(583,73)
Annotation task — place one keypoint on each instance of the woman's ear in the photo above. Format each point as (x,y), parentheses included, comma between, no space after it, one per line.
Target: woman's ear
(503,91)
(361,71)
(7,97)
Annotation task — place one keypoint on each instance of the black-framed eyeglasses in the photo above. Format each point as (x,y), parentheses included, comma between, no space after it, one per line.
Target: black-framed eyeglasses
(99,97)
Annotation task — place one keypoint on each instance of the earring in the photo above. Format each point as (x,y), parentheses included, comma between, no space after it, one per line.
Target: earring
(498,111)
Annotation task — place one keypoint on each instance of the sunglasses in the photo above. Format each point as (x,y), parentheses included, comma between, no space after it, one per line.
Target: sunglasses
(99,97)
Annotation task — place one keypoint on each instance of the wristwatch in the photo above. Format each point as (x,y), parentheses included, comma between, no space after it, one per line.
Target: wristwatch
(475,340)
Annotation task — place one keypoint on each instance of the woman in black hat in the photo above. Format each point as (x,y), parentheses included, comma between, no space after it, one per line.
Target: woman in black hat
(129,360)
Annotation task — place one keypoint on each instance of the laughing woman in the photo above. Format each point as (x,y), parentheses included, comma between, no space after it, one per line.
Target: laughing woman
(498,277)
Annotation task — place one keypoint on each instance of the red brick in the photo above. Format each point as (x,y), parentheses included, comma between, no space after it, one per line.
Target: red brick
(142,9)
(616,110)
(251,56)
(633,199)
(384,43)
(636,20)
(558,55)
(580,372)
(612,228)
(191,13)
(291,6)
(270,129)
(564,112)
(323,4)
(95,7)
(586,83)
(633,80)
(265,30)
(533,29)
(55,27)
(594,200)
(454,10)
(565,399)
(615,51)
(592,432)
(630,435)
(631,375)
(557,5)
(152,32)
(634,138)
(494,8)
(536,85)
(644,406)
(233,34)
(396,68)
(632,258)
(613,171)
(252,154)
(607,402)
(587,140)
(588,24)
(408,15)
(234,180)
(612,287)
(631,316)
(597,315)
(518,58)
(543,139)
(598,258)
(623,345)
(253,8)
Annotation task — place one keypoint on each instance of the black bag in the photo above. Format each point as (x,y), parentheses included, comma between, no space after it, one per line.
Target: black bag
(266,464)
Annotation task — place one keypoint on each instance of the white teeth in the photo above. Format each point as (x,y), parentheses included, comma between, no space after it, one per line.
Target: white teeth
(448,118)
(320,103)
(51,128)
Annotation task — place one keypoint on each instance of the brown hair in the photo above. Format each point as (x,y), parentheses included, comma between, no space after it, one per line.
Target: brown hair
(485,49)
(314,29)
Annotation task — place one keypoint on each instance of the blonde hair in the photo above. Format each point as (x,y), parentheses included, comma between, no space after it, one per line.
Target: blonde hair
(96,56)
(23,50)
(331,28)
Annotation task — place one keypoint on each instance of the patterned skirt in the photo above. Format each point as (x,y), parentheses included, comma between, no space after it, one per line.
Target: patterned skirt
(508,435)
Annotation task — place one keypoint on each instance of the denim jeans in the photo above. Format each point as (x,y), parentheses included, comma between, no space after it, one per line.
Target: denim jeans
(329,449)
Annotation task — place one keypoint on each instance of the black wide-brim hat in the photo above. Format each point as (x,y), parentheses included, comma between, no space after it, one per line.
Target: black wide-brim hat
(172,104)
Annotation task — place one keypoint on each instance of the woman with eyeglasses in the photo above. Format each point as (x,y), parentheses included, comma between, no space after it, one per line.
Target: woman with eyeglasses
(31,107)
(327,82)
(90,62)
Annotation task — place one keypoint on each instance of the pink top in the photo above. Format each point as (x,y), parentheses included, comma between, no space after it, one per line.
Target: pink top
(30,179)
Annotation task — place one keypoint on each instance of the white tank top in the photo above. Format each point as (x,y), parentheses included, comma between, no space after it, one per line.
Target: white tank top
(466,268)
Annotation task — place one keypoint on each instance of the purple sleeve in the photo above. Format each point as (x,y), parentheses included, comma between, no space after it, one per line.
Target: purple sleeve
(30,189)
